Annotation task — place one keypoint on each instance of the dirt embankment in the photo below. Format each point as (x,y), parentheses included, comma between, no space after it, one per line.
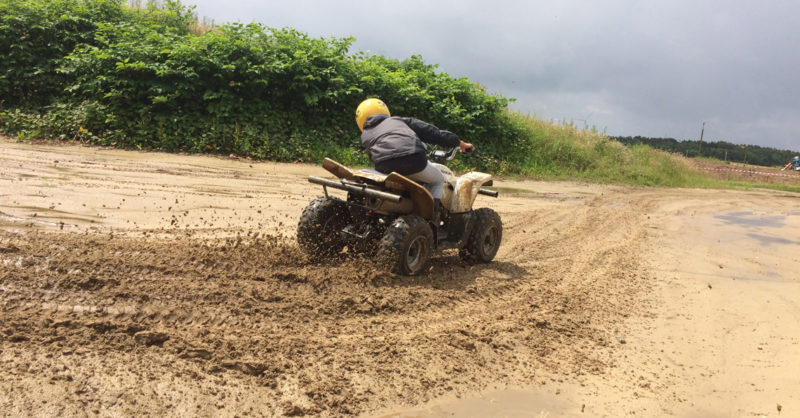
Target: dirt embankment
(144,283)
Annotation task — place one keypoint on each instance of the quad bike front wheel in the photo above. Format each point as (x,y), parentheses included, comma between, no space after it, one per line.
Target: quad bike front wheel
(318,232)
(407,245)
(484,240)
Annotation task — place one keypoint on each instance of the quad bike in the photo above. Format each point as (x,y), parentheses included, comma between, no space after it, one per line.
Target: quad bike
(391,217)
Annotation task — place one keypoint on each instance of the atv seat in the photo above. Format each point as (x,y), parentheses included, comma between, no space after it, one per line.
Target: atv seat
(423,201)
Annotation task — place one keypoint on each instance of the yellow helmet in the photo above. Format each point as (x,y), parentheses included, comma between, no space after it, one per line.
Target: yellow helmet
(368,108)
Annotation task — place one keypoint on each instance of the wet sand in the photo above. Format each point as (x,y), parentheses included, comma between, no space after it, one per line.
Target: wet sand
(153,284)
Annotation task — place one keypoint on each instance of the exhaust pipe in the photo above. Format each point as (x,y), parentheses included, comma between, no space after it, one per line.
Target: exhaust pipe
(487,192)
(357,188)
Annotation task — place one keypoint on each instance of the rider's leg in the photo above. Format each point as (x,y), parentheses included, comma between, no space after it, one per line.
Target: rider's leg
(422,171)
(433,178)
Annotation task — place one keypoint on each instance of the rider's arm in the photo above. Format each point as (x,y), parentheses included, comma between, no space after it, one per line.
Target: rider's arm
(431,134)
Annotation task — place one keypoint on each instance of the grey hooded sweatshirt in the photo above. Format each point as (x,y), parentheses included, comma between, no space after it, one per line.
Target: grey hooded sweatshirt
(388,138)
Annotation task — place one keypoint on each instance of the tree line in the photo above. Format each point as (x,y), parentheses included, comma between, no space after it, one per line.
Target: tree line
(721,150)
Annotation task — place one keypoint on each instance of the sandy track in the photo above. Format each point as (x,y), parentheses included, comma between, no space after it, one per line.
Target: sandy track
(146,283)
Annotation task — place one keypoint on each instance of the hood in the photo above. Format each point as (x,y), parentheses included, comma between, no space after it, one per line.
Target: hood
(374,120)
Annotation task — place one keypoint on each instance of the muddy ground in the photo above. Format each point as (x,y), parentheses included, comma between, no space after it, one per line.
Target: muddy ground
(137,283)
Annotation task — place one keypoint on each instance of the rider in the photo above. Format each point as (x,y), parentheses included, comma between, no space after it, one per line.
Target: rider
(394,144)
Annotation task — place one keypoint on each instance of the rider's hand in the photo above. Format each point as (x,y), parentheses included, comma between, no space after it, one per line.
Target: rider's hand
(466,147)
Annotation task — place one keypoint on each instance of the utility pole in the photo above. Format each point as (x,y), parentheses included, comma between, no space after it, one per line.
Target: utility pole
(700,148)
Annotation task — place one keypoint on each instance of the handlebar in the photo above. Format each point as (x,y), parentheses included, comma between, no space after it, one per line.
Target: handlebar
(441,156)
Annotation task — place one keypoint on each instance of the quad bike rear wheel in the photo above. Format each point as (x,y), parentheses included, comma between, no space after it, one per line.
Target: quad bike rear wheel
(318,232)
(484,240)
(407,245)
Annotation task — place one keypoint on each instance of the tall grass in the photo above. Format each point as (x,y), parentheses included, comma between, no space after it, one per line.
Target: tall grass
(564,151)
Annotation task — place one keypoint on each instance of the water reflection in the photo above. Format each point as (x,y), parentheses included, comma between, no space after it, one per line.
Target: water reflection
(767,240)
(750,219)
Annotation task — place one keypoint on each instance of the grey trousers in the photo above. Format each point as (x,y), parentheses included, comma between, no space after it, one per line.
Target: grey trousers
(433,179)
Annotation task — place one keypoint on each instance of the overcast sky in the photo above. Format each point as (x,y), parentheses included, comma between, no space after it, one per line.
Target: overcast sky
(650,68)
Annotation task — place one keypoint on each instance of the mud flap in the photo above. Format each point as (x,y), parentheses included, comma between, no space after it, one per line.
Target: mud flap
(459,227)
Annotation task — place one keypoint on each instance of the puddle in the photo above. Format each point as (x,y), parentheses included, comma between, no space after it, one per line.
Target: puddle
(752,219)
(767,240)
